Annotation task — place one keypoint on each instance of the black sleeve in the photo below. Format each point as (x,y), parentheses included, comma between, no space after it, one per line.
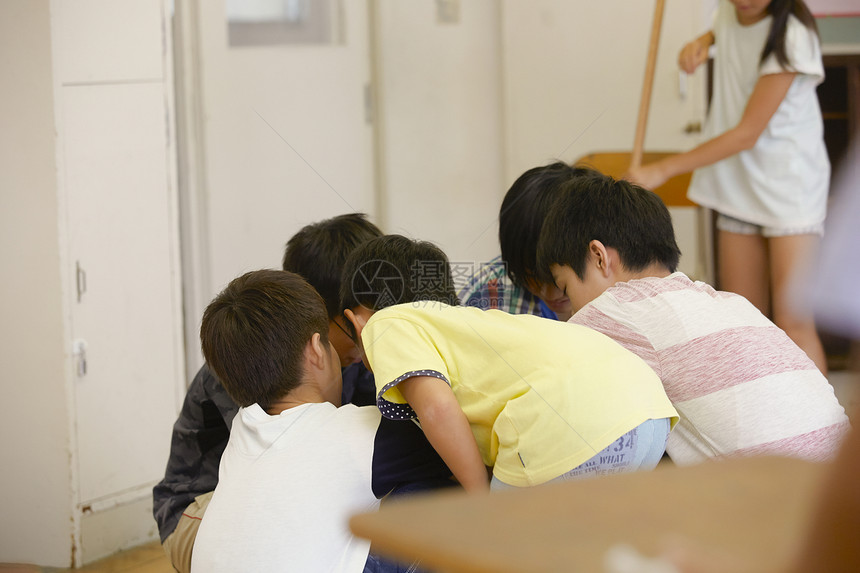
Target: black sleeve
(199,437)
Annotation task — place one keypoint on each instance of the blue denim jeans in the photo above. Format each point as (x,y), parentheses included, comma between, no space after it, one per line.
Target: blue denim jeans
(378,564)
(639,449)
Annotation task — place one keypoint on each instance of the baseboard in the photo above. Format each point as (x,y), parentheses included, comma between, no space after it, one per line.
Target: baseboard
(112,529)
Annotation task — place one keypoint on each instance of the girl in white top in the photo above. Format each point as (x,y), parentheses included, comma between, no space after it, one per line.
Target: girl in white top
(764,168)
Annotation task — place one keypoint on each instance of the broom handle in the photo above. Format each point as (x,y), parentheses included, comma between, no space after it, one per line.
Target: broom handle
(645,101)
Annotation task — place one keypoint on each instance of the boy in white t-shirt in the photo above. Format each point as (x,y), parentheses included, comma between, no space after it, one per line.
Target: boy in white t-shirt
(296,466)
(740,385)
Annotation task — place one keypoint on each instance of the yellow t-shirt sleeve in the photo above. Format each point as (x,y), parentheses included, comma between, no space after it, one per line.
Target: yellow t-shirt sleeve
(398,349)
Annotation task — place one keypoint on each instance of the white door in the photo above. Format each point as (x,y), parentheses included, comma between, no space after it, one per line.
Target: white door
(120,237)
(286,133)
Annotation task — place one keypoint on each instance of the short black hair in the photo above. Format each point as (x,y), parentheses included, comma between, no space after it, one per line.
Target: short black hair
(394,269)
(619,214)
(522,215)
(254,334)
(319,250)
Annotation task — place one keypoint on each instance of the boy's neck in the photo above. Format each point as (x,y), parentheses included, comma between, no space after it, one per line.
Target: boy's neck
(304,394)
(654,271)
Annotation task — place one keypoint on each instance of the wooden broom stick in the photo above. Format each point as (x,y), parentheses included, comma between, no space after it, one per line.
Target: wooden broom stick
(645,101)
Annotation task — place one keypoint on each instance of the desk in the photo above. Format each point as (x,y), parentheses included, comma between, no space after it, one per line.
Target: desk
(756,508)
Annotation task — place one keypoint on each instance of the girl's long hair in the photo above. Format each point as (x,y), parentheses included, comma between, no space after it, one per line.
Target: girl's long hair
(780,10)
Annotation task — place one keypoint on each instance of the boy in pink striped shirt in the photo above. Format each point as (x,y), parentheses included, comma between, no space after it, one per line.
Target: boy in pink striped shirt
(739,383)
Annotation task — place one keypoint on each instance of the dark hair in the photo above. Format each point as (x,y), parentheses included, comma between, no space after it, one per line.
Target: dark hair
(319,250)
(780,10)
(254,334)
(392,270)
(524,208)
(632,220)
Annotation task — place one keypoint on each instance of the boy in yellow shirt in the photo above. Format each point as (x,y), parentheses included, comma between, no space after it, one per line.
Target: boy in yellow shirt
(535,400)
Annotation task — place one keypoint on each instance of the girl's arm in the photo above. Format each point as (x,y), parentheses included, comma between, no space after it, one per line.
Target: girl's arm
(768,93)
(447,429)
(695,53)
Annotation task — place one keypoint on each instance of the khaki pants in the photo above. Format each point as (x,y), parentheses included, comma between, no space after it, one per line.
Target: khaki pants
(179,544)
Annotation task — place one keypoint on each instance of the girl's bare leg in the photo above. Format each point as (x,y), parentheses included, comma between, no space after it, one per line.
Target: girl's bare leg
(789,257)
(743,267)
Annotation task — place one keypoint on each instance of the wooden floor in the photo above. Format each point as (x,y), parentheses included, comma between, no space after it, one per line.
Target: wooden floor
(149,558)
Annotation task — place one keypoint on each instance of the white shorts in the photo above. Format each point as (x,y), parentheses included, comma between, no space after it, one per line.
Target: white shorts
(732,225)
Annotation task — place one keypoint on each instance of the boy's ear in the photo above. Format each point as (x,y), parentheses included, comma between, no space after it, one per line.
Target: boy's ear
(357,321)
(316,352)
(600,256)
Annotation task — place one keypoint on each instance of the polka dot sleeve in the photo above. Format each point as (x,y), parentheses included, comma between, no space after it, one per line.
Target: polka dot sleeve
(396,411)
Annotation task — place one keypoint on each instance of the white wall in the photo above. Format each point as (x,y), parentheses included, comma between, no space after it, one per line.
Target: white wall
(441,124)
(574,74)
(34,482)
(573,82)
